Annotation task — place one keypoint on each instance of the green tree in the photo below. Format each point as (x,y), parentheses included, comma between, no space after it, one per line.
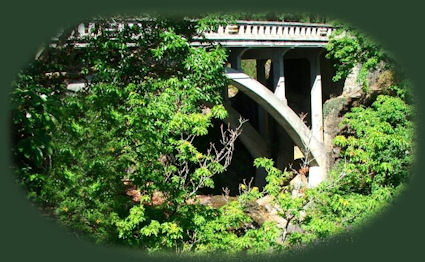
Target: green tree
(135,123)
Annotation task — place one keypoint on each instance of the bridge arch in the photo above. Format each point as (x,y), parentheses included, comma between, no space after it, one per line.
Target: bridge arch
(301,135)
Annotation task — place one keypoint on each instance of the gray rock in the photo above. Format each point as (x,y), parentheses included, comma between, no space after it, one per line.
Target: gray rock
(75,87)
(351,87)
(294,228)
(264,210)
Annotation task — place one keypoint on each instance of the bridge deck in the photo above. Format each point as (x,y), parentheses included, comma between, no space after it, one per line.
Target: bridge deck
(269,34)
(241,34)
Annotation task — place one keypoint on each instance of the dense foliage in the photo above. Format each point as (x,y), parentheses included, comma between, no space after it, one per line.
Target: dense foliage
(377,145)
(351,48)
(117,161)
(375,161)
(135,123)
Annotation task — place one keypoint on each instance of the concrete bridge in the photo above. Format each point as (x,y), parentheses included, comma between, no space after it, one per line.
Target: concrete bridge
(271,43)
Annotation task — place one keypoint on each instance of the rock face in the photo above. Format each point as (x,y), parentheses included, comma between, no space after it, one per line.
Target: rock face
(334,106)
(351,87)
(215,201)
(381,78)
(332,117)
(294,228)
(353,94)
(333,110)
(263,210)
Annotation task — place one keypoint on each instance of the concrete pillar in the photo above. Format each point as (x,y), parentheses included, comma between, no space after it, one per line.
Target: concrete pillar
(263,124)
(225,94)
(316,98)
(284,149)
(278,73)
(235,60)
(315,176)
(235,57)
(316,173)
(263,118)
(260,178)
(261,70)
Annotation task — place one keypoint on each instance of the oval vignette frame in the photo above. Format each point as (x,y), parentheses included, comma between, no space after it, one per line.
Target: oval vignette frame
(55,242)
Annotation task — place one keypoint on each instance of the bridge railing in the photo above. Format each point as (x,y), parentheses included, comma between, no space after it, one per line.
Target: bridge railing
(232,34)
(260,30)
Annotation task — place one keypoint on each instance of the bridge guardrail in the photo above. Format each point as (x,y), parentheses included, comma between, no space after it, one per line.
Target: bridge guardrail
(233,34)
(264,30)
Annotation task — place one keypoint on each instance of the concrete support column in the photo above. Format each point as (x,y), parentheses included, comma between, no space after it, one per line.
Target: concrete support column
(261,70)
(315,176)
(284,149)
(263,117)
(278,73)
(235,57)
(316,98)
(316,173)
(263,124)
(235,60)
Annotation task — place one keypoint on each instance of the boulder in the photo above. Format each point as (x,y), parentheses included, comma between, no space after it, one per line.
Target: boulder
(294,228)
(351,87)
(264,210)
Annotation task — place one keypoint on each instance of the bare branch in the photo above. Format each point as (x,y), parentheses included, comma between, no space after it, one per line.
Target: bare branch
(221,154)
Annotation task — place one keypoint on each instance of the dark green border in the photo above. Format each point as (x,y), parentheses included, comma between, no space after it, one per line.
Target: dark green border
(25,235)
